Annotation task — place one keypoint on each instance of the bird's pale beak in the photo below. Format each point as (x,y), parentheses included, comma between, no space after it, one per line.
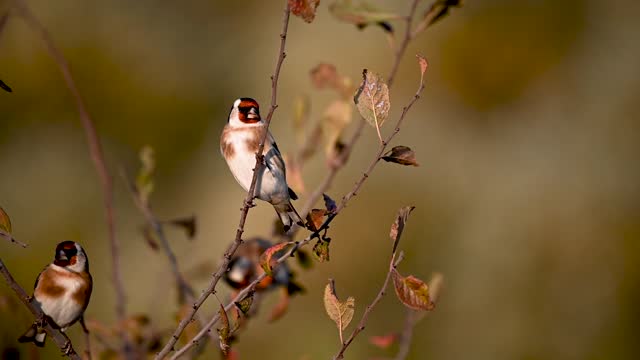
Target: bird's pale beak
(62,255)
(253,114)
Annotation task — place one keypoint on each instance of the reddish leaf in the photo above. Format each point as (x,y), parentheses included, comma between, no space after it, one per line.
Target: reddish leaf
(412,292)
(329,203)
(384,341)
(423,64)
(188,224)
(5,222)
(281,307)
(315,219)
(324,75)
(402,155)
(265,258)
(305,9)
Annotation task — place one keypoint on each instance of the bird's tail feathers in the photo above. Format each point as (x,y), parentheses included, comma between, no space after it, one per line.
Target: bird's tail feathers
(288,215)
(34,334)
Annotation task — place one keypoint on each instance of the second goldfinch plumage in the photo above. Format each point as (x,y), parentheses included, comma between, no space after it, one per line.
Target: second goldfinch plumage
(239,143)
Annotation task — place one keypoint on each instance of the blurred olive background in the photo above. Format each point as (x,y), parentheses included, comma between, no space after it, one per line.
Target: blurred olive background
(527,195)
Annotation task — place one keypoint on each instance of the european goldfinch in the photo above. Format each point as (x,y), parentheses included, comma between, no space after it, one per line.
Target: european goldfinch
(239,143)
(62,291)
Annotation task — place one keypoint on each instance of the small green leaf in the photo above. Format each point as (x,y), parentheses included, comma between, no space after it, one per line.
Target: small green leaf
(244,305)
(5,222)
(321,250)
(144,180)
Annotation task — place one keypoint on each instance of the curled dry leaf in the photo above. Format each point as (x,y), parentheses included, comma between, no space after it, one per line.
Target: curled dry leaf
(267,255)
(424,64)
(224,333)
(315,219)
(321,250)
(144,180)
(372,99)
(340,312)
(329,204)
(384,341)
(361,14)
(402,155)
(412,292)
(398,226)
(305,9)
(5,221)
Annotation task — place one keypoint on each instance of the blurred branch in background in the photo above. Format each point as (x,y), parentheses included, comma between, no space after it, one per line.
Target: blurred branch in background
(95,151)
(248,202)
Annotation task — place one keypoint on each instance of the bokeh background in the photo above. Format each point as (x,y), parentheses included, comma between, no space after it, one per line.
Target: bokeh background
(527,195)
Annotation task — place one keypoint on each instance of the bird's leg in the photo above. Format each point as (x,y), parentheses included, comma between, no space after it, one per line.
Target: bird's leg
(67,349)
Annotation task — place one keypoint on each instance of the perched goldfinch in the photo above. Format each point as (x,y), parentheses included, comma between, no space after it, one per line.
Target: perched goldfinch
(239,143)
(62,291)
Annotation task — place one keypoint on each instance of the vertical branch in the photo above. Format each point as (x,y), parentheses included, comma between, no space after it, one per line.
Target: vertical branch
(95,151)
(248,201)
(59,338)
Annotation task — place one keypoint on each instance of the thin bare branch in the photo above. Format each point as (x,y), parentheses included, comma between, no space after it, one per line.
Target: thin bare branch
(95,150)
(11,239)
(248,202)
(407,335)
(61,340)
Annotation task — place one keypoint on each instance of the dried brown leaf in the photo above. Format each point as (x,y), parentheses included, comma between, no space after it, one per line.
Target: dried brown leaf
(315,219)
(5,222)
(372,99)
(402,155)
(305,9)
(267,255)
(412,292)
(340,312)
(188,224)
(224,333)
(439,10)
(398,225)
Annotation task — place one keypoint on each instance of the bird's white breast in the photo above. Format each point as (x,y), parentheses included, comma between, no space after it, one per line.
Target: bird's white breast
(63,309)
